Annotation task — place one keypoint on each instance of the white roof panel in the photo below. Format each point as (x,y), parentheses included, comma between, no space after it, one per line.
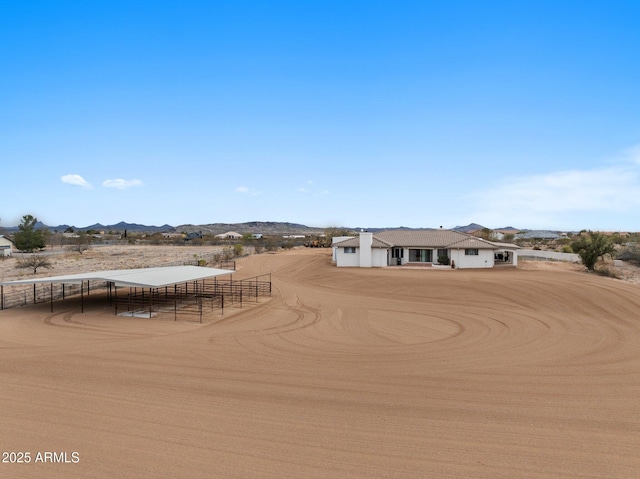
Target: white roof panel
(141,277)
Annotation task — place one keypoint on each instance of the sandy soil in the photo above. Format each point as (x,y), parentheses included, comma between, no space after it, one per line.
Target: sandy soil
(352,373)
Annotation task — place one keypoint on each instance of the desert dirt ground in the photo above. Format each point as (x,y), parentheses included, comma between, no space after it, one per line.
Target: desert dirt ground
(531,372)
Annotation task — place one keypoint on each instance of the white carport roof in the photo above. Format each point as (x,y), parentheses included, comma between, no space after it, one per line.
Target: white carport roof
(140,278)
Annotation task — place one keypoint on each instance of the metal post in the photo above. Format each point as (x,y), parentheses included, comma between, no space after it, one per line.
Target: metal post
(34,293)
(150,299)
(52,297)
(82,296)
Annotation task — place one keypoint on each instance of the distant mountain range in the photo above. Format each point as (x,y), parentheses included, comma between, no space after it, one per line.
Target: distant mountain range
(476,227)
(264,227)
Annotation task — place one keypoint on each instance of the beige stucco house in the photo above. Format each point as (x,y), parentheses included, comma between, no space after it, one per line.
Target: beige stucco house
(433,247)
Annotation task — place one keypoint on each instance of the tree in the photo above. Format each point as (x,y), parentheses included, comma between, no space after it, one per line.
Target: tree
(82,243)
(592,247)
(34,262)
(29,239)
(333,231)
(487,234)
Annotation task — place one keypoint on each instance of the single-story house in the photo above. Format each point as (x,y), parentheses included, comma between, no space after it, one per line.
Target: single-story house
(6,246)
(431,247)
(229,235)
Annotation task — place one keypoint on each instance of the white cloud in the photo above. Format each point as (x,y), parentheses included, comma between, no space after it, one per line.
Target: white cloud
(310,189)
(76,180)
(632,155)
(562,197)
(248,191)
(121,184)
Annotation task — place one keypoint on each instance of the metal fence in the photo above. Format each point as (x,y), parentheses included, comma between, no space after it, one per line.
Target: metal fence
(541,255)
(194,299)
(20,295)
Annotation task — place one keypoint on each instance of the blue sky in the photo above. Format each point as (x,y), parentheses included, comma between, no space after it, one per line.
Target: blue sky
(350,113)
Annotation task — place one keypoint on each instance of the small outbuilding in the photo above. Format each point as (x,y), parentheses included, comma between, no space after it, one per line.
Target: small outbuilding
(6,246)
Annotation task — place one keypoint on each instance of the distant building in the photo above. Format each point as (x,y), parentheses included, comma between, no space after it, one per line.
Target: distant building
(6,246)
(229,235)
(538,234)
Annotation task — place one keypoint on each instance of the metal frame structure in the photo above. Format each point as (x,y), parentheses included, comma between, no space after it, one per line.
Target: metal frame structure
(150,278)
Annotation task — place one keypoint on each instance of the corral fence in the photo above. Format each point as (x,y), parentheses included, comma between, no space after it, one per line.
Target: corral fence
(193,299)
(541,255)
(20,295)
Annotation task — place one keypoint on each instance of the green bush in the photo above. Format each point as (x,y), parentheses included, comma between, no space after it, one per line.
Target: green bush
(592,247)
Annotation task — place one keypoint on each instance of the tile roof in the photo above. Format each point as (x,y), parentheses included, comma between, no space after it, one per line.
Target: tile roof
(431,238)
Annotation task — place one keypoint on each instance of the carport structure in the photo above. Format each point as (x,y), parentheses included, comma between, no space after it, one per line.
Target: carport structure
(148,287)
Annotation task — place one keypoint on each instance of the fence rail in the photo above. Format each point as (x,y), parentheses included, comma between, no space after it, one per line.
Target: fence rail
(20,295)
(541,255)
(198,298)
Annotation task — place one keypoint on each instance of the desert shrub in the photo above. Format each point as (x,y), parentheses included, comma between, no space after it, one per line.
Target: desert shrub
(34,262)
(607,271)
(567,249)
(630,253)
(592,247)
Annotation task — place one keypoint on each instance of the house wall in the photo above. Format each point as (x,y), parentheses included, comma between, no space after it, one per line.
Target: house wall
(5,247)
(347,259)
(334,240)
(483,260)
(379,257)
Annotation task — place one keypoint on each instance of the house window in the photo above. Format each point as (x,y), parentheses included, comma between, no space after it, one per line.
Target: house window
(421,255)
(397,253)
(471,252)
(349,250)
